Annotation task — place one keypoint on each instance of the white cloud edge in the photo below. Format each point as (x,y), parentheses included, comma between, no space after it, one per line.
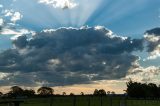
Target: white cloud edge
(14,15)
(141,74)
(1,21)
(17,33)
(156,53)
(63,4)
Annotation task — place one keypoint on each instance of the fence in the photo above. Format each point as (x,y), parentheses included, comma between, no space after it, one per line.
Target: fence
(87,101)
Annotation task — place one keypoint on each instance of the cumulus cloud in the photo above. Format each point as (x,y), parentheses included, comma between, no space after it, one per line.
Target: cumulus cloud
(63,4)
(149,74)
(8,25)
(153,42)
(68,56)
(1,22)
(155,31)
(14,16)
(7,30)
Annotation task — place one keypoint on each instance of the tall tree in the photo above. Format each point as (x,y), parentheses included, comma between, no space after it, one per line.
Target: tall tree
(82,93)
(96,92)
(16,91)
(102,92)
(1,94)
(142,90)
(113,93)
(45,91)
(99,92)
(71,94)
(63,93)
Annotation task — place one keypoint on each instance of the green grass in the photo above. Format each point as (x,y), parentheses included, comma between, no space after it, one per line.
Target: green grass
(86,101)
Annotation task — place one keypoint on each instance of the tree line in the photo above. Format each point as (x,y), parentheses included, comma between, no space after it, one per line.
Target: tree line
(17,91)
(142,90)
(134,90)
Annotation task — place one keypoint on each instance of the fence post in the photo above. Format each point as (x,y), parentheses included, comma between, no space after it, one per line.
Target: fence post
(110,100)
(125,101)
(120,101)
(51,101)
(89,101)
(74,101)
(101,100)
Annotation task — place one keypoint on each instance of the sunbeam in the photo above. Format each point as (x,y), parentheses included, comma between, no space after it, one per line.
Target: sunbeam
(115,11)
(45,15)
(86,9)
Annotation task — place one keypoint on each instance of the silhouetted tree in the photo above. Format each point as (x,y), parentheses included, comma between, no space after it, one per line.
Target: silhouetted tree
(135,89)
(71,94)
(45,91)
(113,93)
(99,92)
(142,90)
(153,90)
(82,93)
(108,92)
(63,93)
(16,91)
(102,92)
(96,92)
(29,93)
(1,94)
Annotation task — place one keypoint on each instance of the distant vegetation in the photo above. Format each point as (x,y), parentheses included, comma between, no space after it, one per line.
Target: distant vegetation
(142,90)
(137,94)
(17,91)
(134,90)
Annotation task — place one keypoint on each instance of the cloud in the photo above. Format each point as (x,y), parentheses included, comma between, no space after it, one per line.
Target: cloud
(155,31)
(153,42)
(1,22)
(3,75)
(149,74)
(63,4)
(68,56)
(16,32)
(8,25)
(14,16)
(1,6)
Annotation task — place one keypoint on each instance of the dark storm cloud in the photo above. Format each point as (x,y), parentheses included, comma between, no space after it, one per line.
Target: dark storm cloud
(155,31)
(0,28)
(153,38)
(21,42)
(69,56)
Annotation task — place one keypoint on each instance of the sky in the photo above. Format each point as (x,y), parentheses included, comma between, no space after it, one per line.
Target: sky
(79,45)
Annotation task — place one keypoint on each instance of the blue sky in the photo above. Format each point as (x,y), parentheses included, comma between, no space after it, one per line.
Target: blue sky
(25,22)
(125,17)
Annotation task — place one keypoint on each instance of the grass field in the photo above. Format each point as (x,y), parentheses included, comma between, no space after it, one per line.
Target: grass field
(86,101)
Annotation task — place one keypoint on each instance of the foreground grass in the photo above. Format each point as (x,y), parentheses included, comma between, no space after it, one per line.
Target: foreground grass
(87,101)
